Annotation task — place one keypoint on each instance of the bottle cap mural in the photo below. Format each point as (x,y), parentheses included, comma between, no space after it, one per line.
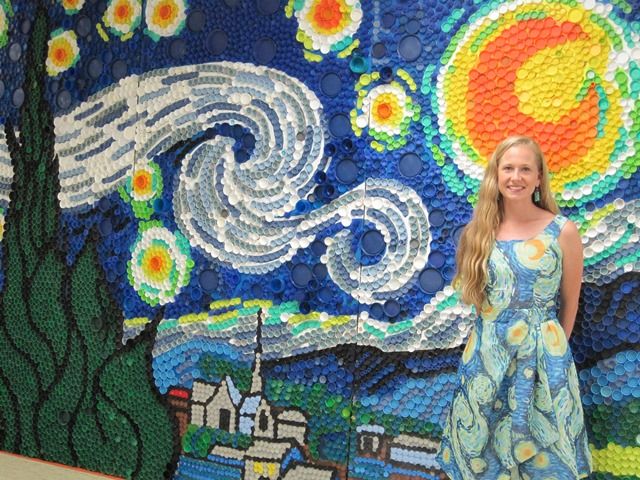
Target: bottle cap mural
(228,228)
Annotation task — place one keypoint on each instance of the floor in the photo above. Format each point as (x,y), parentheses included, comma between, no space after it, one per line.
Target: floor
(16,467)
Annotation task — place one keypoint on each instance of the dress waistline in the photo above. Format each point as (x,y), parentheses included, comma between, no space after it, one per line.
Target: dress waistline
(535,314)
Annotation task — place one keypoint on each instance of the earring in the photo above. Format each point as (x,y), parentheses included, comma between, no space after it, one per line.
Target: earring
(536,195)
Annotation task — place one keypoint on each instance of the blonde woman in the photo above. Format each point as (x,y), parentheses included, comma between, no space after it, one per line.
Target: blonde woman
(516,411)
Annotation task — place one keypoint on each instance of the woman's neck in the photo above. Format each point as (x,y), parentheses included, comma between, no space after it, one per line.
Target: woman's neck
(519,211)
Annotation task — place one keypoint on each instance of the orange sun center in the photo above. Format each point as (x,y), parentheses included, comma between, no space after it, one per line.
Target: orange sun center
(141,182)
(122,11)
(384,110)
(60,54)
(165,11)
(156,263)
(327,14)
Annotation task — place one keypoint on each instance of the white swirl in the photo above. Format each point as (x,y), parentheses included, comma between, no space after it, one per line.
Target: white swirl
(234,222)
(242,214)
(611,242)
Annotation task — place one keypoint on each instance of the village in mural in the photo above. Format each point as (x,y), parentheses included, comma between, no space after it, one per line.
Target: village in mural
(228,227)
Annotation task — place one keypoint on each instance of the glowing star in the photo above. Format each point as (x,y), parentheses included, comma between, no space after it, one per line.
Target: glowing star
(165,18)
(63,52)
(72,6)
(122,17)
(326,25)
(160,264)
(4,26)
(385,110)
(142,187)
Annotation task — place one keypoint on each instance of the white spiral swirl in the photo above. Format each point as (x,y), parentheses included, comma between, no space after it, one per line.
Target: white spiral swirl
(241,214)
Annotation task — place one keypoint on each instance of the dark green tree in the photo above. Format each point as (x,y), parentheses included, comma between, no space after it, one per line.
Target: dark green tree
(69,392)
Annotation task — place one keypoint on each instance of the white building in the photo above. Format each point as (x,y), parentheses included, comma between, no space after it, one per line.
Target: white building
(278,434)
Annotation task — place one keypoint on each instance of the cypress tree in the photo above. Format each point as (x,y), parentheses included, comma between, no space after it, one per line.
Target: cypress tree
(69,392)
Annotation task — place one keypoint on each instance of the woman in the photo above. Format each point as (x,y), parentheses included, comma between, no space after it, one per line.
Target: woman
(516,411)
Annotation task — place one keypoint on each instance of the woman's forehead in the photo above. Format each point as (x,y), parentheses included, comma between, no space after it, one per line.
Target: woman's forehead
(521,154)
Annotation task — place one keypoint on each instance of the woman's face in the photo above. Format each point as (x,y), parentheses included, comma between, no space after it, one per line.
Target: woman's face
(518,174)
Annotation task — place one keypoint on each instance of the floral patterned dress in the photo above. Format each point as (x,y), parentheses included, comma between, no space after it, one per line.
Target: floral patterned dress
(517,405)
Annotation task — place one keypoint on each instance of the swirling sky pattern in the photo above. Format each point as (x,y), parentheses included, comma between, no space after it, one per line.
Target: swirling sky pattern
(240,213)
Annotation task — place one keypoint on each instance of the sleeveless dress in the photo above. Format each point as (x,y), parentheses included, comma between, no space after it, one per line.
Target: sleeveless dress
(516,407)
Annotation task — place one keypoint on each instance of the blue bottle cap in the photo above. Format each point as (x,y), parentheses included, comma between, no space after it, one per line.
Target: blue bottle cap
(325,295)
(330,149)
(160,205)
(437,259)
(410,165)
(391,308)
(346,171)
(372,242)
(208,280)
(105,227)
(268,7)
(456,234)
(301,274)
(303,206)
(348,145)
(318,248)
(248,140)
(448,272)
(339,125)
(104,204)
(320,177)
(386,74)
(217,42)
(412,27)
(196,20)
(242,155)
(304,307)
(376,310)
(388,19)
(436,218)
(264,50)
(277,285)
(63,99)
(430,280)
(358,64)
(83,26)
(378,50)
(330,84)
(410,48)
(178,48)
(119,69)
(327,191)
(94,68)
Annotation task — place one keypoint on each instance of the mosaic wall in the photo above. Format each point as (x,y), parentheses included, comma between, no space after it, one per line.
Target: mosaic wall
(229,225)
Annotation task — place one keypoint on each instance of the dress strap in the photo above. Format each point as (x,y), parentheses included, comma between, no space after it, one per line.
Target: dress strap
(555,227)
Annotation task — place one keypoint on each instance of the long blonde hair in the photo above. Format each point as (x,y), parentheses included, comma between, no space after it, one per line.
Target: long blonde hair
(478,237)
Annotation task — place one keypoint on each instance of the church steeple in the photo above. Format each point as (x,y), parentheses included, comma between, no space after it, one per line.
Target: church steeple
(256,379)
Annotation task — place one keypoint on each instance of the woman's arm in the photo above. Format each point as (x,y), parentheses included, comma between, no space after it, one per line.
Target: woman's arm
(572,264)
